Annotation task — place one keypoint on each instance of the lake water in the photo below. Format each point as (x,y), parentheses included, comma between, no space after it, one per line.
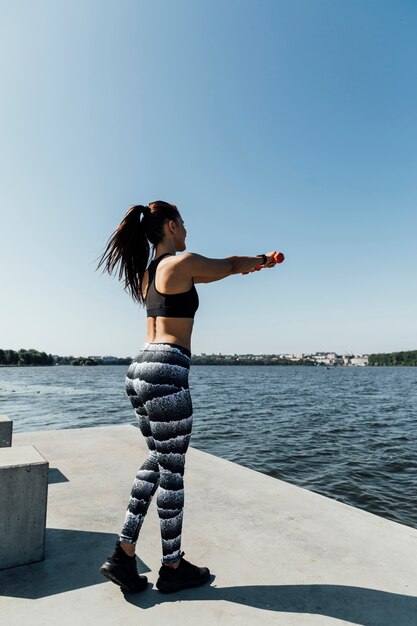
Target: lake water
(347,433)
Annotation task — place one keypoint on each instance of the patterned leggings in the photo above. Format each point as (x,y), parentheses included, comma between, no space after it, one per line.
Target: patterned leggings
(157,385)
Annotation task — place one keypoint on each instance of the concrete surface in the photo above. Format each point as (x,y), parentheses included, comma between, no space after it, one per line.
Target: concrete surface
(23,495)
(6,429)
(279,554)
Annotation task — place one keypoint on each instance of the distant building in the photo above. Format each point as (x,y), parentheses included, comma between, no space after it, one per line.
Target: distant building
(360,360)
(320,357)
(107,359)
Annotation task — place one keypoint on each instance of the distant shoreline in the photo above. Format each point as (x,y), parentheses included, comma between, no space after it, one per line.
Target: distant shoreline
(30,358)
(222,364)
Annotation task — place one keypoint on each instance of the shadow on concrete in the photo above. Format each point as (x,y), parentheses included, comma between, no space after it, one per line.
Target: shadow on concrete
(56,476)
(73,558)
(72,561)
(357,605)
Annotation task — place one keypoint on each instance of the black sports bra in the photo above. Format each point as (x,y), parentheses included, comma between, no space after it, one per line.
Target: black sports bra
(159,304)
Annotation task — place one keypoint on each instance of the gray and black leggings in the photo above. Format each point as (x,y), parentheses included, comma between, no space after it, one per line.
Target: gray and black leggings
(157,385)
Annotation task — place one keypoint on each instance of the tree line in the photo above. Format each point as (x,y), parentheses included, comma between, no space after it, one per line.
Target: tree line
(408,358)
(25,357)
(34,357)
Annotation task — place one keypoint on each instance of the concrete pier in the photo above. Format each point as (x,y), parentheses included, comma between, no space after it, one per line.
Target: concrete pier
(279,554)
(23,494)
(6,430)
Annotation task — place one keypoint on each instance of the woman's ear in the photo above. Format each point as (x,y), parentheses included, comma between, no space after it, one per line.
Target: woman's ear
(172,226)
(168,228)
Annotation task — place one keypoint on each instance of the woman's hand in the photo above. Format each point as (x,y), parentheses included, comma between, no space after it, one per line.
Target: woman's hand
(270,259)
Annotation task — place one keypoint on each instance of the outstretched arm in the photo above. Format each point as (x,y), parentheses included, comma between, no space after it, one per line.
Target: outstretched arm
(205,270)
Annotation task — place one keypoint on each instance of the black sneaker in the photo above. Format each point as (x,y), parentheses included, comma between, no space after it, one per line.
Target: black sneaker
(184,576)
(121,570)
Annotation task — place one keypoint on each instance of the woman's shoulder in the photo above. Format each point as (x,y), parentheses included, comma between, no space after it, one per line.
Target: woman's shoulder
(183,261)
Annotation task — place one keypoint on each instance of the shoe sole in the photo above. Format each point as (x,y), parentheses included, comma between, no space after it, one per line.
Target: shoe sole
(110,576)
(166,587)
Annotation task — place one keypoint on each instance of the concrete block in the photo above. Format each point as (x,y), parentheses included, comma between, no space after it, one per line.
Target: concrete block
(23,499)
(6,429)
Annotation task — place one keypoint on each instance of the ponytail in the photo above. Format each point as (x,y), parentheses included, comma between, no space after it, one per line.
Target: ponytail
(129,244)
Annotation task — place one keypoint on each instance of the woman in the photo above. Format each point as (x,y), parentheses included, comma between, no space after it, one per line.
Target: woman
(157,379)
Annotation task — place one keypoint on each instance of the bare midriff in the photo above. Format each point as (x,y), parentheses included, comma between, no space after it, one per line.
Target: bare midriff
(170,330)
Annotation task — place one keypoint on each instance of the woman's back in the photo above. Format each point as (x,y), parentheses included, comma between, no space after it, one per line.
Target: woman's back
(171,302)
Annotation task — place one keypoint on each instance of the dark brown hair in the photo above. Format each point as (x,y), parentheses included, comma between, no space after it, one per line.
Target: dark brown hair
(130,244)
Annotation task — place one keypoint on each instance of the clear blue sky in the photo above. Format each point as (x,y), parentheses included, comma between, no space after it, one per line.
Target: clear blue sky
(281,124)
